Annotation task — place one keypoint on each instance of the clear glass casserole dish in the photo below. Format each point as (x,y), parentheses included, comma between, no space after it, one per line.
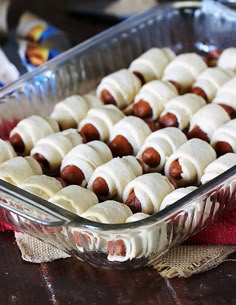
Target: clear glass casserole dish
(182,26)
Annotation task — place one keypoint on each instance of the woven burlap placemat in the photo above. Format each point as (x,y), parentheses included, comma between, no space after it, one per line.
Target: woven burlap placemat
(182,261)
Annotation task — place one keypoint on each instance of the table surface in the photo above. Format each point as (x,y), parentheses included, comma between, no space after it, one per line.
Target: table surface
(70,281)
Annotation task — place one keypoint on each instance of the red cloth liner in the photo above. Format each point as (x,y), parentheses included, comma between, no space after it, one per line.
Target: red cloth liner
(222,232)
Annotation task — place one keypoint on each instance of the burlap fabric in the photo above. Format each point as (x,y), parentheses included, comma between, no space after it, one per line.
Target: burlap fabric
(182,261)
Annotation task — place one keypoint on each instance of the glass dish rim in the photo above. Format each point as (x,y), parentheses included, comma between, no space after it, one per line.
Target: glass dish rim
(71,218)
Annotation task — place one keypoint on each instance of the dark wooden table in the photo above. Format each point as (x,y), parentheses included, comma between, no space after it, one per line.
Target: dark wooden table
(70,281)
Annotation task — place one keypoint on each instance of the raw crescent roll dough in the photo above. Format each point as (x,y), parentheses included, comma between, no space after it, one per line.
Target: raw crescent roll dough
(152,63)
(225,133)
(87,157)
(149,189)
(184,70)
(184,107)
(218,166)
(33,129)
(226,94)
(103,118)
(17,169)
(157,94)
(74,198)
(117,173)
(56,146)
(209,123)
(227,59)
(69,112)
(165,141)
(6,151)
(123,85)
(211,79)
(42,186)
(176,195)
(109,211)
(134,129)
(193,156)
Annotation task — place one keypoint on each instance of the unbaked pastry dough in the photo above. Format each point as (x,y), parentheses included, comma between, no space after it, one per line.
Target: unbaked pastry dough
(56,146)
(227,59)
(6,151)
(34,128)
(157,94)
(225,133)
(152,63)
(69,112)
(184,70)
(103,119)
(218,166)
(226,94)
(117,173)
(176,195)
(134,129)
(41,185)
(17,169)
(74,198)
(109,211)
(209,118)
(193,156)
(165,141)
(149,189)
(184,107)
(87,157)
(211,79)
(123,85)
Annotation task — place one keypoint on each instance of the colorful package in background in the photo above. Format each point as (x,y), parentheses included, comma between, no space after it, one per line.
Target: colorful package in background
(39,41)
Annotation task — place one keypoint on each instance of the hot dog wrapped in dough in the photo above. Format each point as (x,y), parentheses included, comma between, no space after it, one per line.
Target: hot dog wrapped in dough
(152,98)
(206,120)
(224,138)
(110,179)
(99,121)
(74,198)
(145,193)
(6,151)
(50,150)
(158,146)
(140,244)
(186,165)
(28,131)
(176,195)
(209,81)
(17,169)
(151,64)
(119,88)
(69,112)
(184,70)
(218,166)
(42,186)
(127,136)
(79,164)
(226,97)
(227,59)
(109,211)
(180,110)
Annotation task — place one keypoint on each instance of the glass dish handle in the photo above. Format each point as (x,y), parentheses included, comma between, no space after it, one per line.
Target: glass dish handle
(51,220)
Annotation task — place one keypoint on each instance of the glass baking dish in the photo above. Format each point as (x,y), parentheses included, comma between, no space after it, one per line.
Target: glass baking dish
(182,26)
